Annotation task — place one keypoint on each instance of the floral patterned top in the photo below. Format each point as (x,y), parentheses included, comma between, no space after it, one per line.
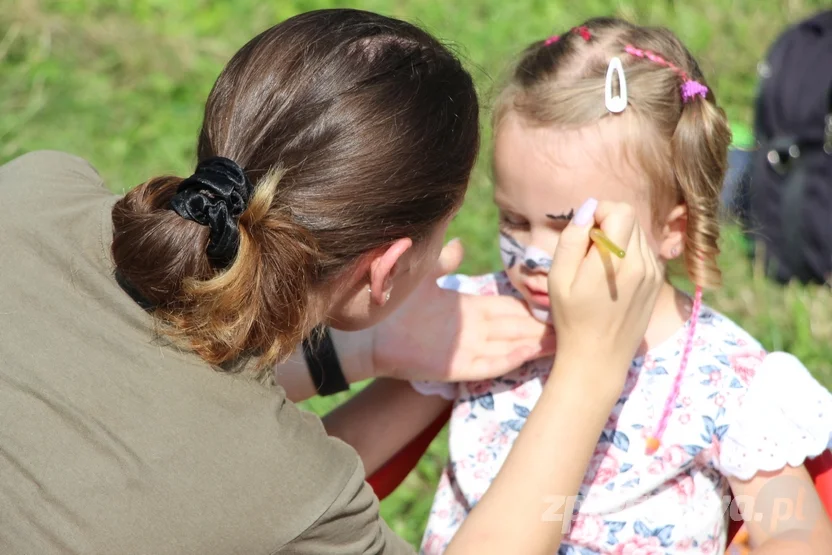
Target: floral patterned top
(734,417)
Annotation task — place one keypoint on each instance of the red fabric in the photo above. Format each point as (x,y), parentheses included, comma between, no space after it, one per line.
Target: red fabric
(387,478)
(821,471)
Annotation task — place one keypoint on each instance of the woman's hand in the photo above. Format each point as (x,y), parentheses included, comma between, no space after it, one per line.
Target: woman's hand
(601,304)
(436,335)
(601,308)
(441,335)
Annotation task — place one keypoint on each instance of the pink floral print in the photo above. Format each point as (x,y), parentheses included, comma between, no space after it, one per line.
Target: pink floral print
(630,503)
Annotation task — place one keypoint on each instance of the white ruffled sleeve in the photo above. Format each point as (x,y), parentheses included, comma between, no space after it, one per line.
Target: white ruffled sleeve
(472,285)
(445,390)
(785,418)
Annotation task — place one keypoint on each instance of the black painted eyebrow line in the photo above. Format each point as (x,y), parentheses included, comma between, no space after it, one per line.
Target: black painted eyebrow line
(558,217)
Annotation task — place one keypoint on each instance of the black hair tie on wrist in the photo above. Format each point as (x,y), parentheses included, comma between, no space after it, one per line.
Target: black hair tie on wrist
(323,364)
(216,195)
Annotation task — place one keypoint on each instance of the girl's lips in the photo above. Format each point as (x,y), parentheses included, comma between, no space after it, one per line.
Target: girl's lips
(539,304)
(539,298)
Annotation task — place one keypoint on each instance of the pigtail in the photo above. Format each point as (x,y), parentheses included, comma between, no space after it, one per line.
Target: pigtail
(699,148)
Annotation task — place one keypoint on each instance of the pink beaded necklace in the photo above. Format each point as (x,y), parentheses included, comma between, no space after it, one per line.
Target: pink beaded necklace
(654,440)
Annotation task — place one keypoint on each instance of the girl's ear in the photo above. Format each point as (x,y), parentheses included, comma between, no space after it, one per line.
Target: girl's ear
(673,232)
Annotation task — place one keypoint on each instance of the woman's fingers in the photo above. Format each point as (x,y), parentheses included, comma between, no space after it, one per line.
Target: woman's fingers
(502,307)
(635,262)
(648,257)
(572,248)
(618,222)
(522,327)
(599,269)
(449,259)
(505,356)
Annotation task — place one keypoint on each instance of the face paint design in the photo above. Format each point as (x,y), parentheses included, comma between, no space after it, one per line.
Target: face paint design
(510,250)
(513,252)
(541,314)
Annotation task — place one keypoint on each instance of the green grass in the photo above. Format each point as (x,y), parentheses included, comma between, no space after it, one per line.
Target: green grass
(121,82)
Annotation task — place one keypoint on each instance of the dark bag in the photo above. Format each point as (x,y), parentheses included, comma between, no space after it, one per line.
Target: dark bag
(791,173)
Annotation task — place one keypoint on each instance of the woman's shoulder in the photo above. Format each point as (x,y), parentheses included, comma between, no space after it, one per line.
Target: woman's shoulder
(213,462)
(34,171)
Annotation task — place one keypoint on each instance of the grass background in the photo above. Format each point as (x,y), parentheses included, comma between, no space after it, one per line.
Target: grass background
(122,83)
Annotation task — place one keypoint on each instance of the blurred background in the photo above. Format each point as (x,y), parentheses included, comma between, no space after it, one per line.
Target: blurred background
(122,84)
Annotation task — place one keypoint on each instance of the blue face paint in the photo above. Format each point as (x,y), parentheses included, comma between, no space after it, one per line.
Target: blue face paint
(514,252)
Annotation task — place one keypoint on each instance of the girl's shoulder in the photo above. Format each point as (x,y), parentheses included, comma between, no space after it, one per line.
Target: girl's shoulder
(721,350)
(783,417)
(724,358)
(766,409)
(722,334)
(726,350)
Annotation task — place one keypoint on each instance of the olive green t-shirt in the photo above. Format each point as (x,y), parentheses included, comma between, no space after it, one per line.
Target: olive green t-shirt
(112,442)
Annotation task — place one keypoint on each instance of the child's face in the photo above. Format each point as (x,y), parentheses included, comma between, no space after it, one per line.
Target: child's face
(542,175)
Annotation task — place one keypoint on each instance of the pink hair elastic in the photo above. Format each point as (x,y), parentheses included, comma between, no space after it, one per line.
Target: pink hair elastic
(655,440)
(582,30)
(690,87)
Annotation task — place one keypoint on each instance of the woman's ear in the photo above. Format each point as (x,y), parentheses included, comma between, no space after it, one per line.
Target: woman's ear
(673,233)
(384,264)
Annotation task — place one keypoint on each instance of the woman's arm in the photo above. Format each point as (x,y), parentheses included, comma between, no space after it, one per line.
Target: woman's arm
(355,354)
(436,335)
(382,419)
(601,309)
(528,506)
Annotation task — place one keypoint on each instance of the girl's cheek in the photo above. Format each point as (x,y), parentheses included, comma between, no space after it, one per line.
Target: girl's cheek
(514,275)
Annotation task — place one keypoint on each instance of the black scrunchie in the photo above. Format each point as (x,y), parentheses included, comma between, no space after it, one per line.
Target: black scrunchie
(216,195)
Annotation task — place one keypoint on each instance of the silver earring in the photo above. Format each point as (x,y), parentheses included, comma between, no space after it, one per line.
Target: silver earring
(674,252)
(369,290)
(387,297)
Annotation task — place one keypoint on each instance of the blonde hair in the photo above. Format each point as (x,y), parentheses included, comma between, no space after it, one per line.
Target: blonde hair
(560,82)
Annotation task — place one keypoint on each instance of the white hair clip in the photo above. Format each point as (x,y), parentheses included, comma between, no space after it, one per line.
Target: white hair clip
(615,104)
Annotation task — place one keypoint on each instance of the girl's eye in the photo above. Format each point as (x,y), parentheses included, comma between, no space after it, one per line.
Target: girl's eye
(512,221)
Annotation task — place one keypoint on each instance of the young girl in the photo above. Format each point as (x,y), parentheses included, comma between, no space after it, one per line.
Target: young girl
(618,112)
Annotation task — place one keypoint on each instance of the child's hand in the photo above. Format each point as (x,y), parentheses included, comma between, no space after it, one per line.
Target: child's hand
(601,304)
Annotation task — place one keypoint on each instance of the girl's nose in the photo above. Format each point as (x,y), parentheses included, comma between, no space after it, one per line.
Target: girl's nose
(537,259)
